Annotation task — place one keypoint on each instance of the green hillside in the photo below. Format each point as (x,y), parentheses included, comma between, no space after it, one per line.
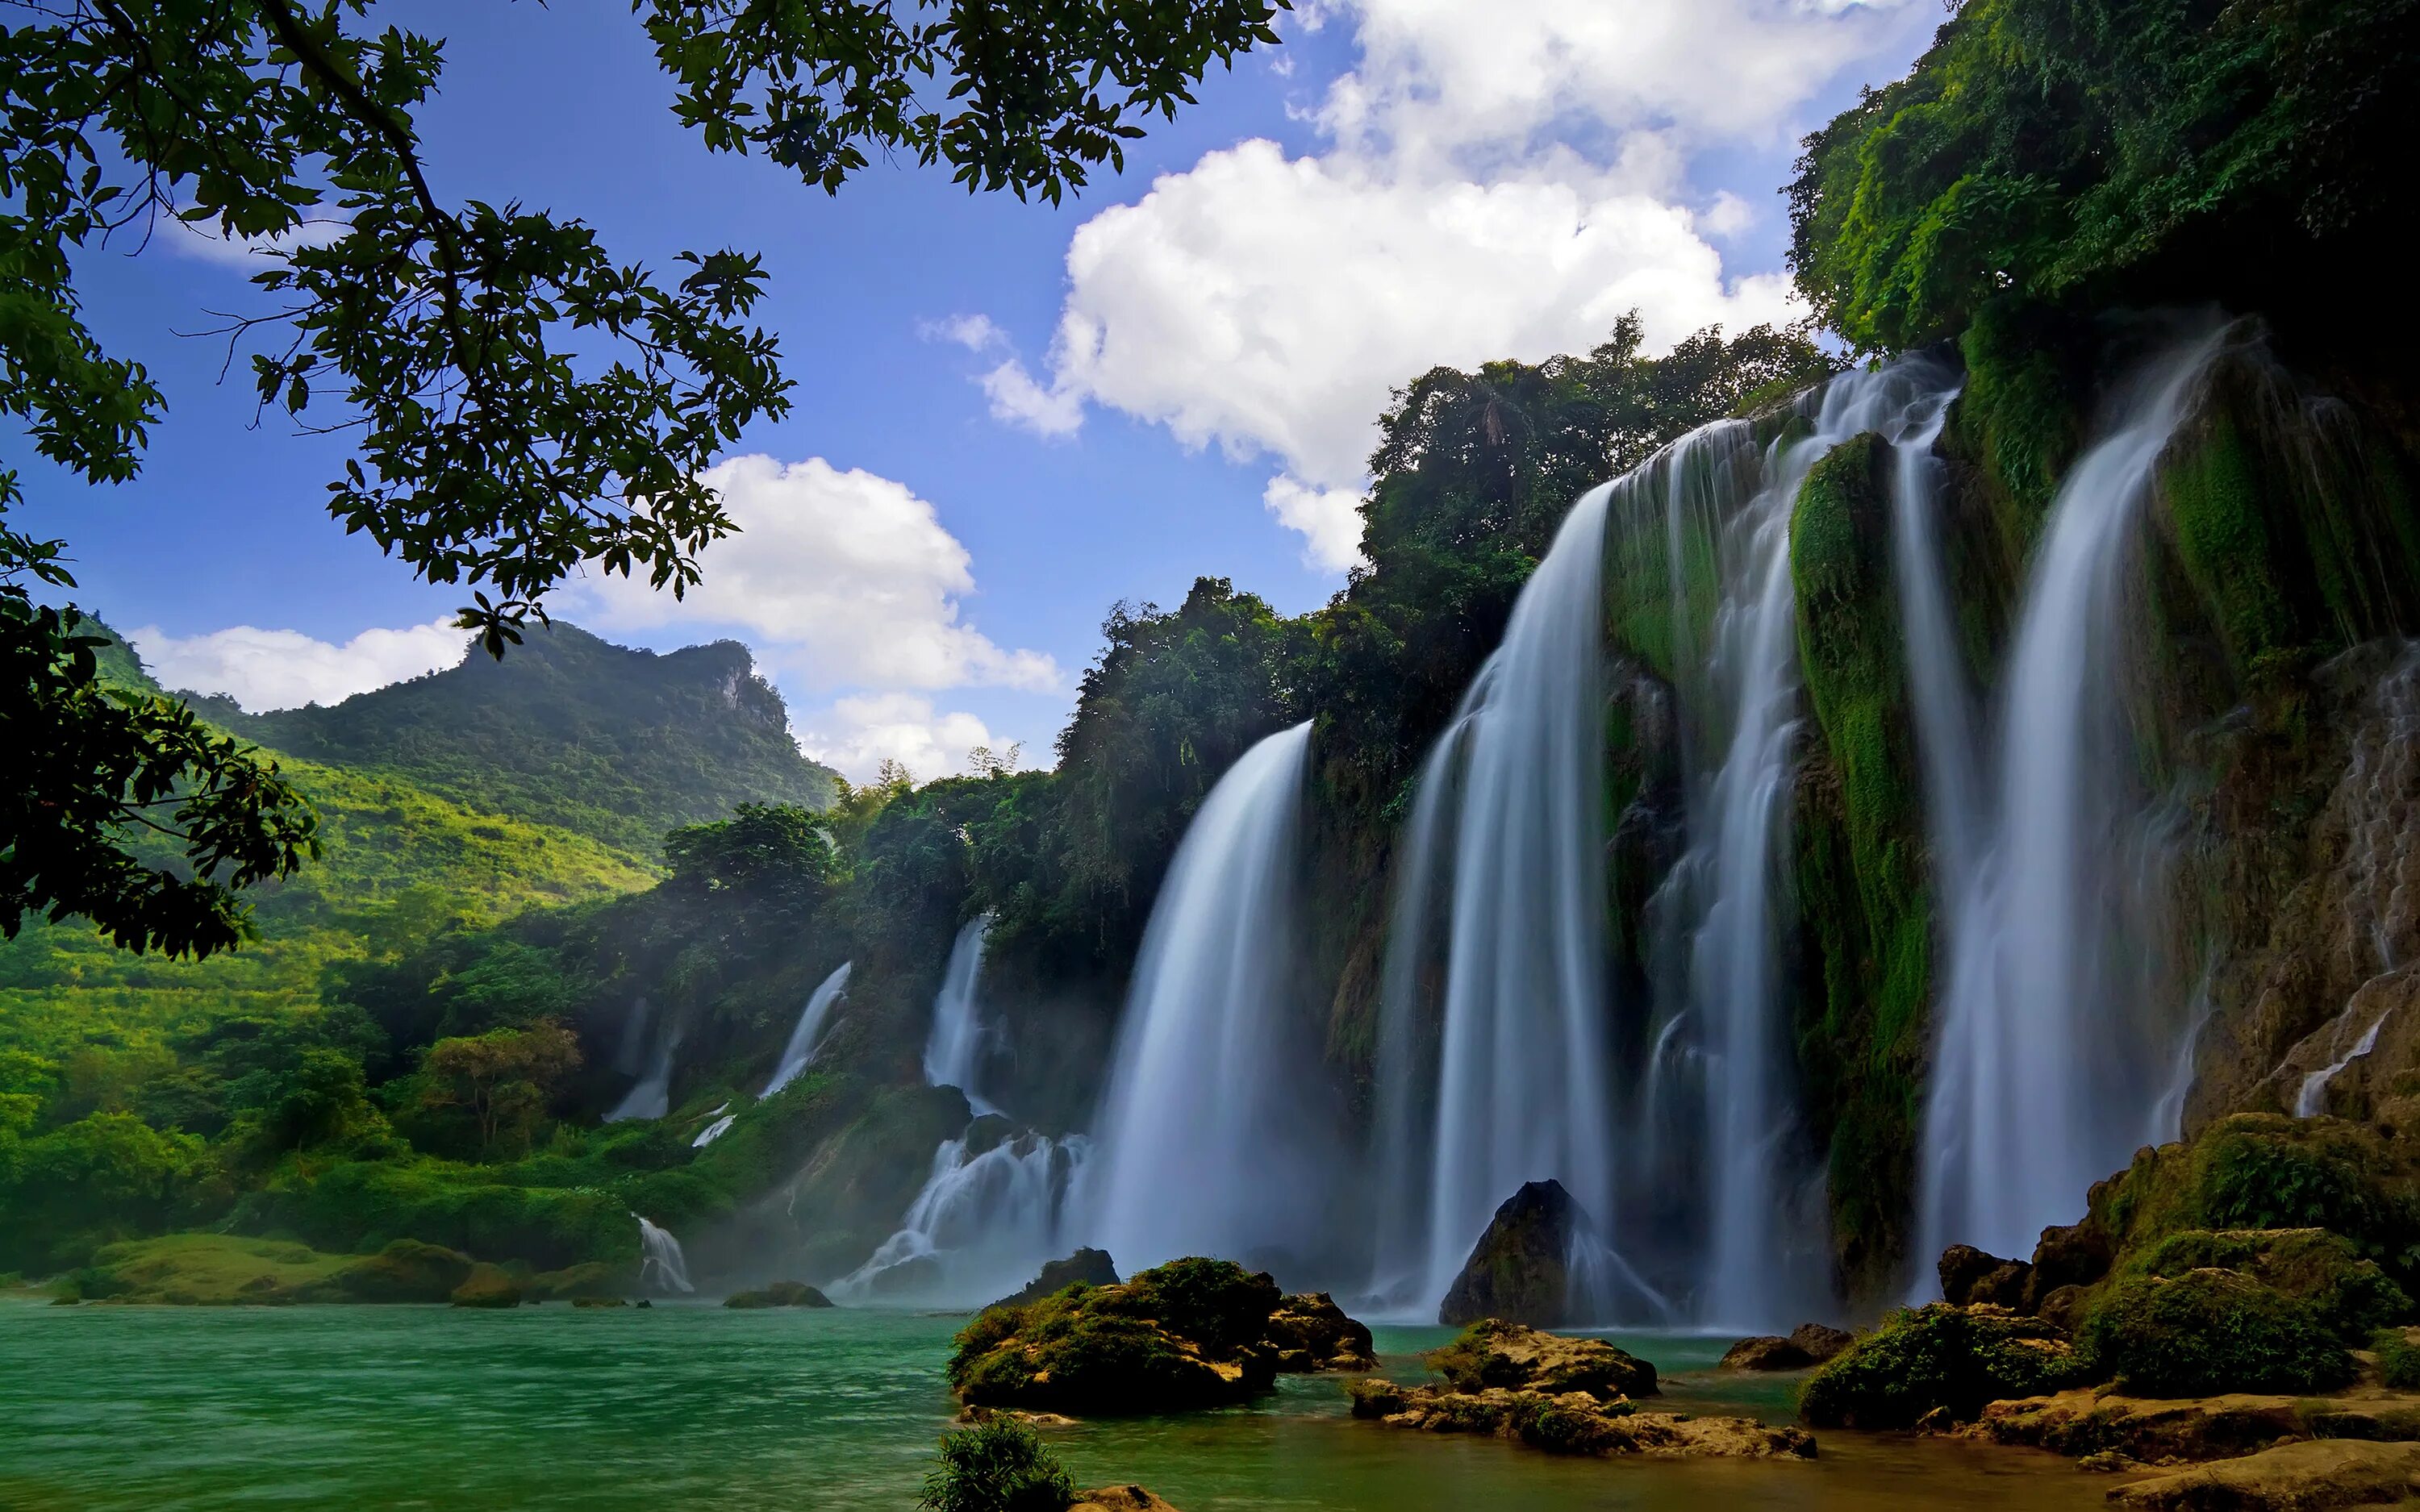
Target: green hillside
(568,731)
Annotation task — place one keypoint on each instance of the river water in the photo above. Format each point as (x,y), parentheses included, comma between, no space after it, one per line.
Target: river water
(688,1406)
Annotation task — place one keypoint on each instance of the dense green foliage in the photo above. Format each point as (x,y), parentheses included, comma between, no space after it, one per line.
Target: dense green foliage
(2164,151)
(998,1465)
(2208,1331)
(1937,1357)
(615,744)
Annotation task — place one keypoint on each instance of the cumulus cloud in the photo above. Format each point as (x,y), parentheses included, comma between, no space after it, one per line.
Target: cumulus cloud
(855,735)
(264,669)
(844,578)
(206,243)
(1499,180)
(975,332)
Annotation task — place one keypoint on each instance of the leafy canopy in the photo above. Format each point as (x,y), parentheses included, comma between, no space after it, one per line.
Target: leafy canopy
(520,402)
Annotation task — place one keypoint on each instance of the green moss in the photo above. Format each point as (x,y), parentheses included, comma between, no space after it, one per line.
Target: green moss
(1863,903)
(2398,1359)
(1940,1358)
(2018,418)
(2350,1296)
(2206,1331)
(2216,496)
(211,1270)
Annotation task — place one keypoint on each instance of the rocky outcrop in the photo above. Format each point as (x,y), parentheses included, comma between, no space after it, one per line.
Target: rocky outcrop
(1086,1267)
(779,1294)
(1520,1270)
(1118,1499)
(1188,1334)
(405,1271)
(1495,1353)
(1573,1423)
(1969,1276)
(2292,1478)
(487,1286)
(1804,1347)
(2157,1430)
(1939,1364)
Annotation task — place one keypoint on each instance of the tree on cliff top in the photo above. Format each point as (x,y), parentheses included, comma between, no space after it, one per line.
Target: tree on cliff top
(435,334)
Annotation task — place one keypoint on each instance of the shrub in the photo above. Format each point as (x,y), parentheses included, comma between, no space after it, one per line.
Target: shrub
(1953,1359)
(2206,1332)
(997,1466)
(2352,1297)
(2398,1359)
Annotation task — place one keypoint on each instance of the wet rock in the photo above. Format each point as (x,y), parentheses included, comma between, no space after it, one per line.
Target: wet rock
(1520,1270)
(1192,1334)
(599,1301)
(1969,1276)
(487,1286)
(2167,1429)
(2065,1309)
(1765,1351)
(1311,1333)
(405,1271)
(1118,1499)
(1495,1353)
(1821,1341)
(2291,1477)
(779,1294)
(1572,1421)
(1091,1267)
(1938,1358)
(2073,1254)
(591,1279)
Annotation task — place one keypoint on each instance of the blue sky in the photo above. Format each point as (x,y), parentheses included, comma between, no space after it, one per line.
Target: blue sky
(1009,416)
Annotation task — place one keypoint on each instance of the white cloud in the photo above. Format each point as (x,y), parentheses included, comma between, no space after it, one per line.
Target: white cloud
(206,243)
(845,579)
(1498,180)
(975,332)
(264,669)
(855,735)
(1329,520)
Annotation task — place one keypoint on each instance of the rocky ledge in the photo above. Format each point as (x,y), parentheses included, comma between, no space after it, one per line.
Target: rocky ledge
(1562,1395)
(2117,1430)
(1192,1334)
(1803,1347)
(2292,1478)
(779,1294)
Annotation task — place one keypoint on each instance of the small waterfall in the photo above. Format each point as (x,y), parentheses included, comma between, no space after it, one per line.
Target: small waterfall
(1211,1139)
(801,1051)
(981,1227)
(651,1096)
(2038,1083)
(953,1053)
(2311,1100)
(661,1264)
(630,1051)
(714,1131)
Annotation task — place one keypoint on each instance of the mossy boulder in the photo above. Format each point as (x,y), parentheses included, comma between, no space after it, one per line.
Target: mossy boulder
(2206,1331)
(1091,1267)
(1968,1275)
(1512,1382)
(1520,1269)
(487,1286)
(407,1270)
(1188,1334)
(209,1271)
(1493,1352)
(1938,1358)
(590,1281)
(2352,1297)
(779,1294)
(1311,1333)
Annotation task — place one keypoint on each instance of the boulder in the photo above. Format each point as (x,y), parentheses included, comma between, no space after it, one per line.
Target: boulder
(1118,1499)
(599,1301)
(1192,1334)
(1495,1353)
(1969,1276)
(2291,1477)
(1089,1267)
(1572,1421)
(1520,1270)
(591,1279)
(1938,1359)
(1820,1341)
(2163,1430)
(2072,1255)
(487,1286)
(779,1294)
(1311,1333)
(2350,1295)
(405,1271)
(1765,1351)
(2208,1331)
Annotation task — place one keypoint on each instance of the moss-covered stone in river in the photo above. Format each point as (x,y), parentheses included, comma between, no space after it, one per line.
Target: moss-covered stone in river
(1938,1358)
(2208,1331)
(2349,1296)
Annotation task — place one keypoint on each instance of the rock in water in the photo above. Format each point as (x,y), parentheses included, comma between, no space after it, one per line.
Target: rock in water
(405,1271)
(487,1286)
(779,1294)
(1093,1267)
(1969,1276)
(1117,1498)
(1312,1332)
(1821,1342)
(1492,1352)
(1766,1351)
(1520,1270)
(2292,1478)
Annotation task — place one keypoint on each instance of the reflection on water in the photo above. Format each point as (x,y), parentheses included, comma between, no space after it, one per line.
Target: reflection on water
(689,1405)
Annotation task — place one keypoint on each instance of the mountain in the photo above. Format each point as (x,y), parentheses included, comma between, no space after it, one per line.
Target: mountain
(571,731)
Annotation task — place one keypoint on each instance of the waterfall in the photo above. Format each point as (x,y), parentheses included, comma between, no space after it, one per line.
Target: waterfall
(982,1225)
(801,1048)
(1211,1139)
(2311,1099)
(953,1050)
(2037,1089)
(651,1096)
(661,1261)
(714,1131)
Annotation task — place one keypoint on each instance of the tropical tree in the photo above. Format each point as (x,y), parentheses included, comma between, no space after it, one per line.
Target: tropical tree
(437,335)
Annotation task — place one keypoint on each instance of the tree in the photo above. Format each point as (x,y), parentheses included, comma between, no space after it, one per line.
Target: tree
(438,336)
(503,1078)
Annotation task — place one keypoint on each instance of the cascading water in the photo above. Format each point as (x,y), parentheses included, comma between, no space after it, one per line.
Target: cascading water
(1212,1138)
(801,1051)
(662,1265)
(953,1050)
(651,1095)
(981,1227)
(2038,1081)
